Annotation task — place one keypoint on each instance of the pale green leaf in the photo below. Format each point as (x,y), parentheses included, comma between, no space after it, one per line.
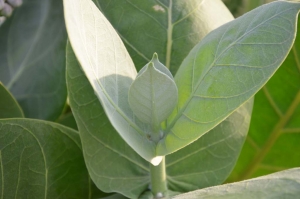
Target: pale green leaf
(274,134)
(279,185)
(42,160)
(32,58)
(153,96)
(109,69)
(9,107)
(113,165)
(227,68)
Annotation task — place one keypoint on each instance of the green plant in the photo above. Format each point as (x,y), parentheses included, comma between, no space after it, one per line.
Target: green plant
(196,145)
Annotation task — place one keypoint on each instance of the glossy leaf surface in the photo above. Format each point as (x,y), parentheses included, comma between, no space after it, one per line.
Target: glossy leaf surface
(127,172)
(42,160)
(32,58)
(280,185)
(109,68)
(218,75)
(171,28)
(9,107)
(275,127)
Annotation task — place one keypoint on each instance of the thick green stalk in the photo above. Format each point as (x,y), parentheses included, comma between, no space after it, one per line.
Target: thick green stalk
(159,180)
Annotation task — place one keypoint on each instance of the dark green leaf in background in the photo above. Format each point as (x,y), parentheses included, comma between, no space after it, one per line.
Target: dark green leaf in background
(169,27)
(32,58)
(279,185)
(273,141)
(42,160)
(68,120)
(9,107)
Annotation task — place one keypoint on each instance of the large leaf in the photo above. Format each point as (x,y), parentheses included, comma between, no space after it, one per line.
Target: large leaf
(169,27)
(42,160)
(9,107)
(280,185)
(32,58)
(227,68)
(114,166)
(209,160)
(109,69)
(274,133)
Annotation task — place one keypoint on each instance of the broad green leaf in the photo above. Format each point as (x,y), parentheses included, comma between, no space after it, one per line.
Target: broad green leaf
(112,164)
(9,107)
(109,69)
(274,133)
(209,160)
(153,96)
(40,159)
(280,185)
(169,27)
(193,167)
(32,58)
(227,68)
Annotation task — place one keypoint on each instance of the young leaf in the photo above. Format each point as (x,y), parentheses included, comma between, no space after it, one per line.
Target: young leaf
(279,185)
(32,58)
(113,165)
(275,127)
(153,96)
(41,160)
(170,28)
(9,107)
(109,69)
(227,68)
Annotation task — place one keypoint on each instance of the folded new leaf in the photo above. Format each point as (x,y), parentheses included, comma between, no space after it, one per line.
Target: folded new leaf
(152,96)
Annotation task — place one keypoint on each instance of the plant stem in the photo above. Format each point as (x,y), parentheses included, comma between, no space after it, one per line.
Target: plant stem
(159,180)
